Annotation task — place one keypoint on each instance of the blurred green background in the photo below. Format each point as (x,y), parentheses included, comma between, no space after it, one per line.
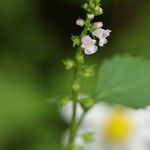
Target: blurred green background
(34,38)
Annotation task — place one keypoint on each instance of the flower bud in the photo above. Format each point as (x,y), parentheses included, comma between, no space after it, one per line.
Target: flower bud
(85,6)
(88,137)
(90,16)
(75,86)
(80,22)
(98,25)
(88,71)
(91,5)
(87,103)
(98,10)
(80,58)
(69,64)
(75,40)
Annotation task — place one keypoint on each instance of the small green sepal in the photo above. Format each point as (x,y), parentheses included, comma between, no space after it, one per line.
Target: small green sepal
(69,64)
(76,40)
(87,103)
(88,137)
(75,86)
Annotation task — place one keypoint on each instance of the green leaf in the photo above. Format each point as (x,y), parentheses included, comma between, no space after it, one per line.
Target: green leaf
(124,80)
(57,99)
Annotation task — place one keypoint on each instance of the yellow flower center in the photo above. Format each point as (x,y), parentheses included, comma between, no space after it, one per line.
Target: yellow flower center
(118,127)
(89,46)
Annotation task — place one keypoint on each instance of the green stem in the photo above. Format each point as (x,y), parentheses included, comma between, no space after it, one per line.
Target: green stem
(73,126)
(75,94)
(80,120)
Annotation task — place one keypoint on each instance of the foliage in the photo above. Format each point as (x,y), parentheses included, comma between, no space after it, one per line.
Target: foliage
(124,80)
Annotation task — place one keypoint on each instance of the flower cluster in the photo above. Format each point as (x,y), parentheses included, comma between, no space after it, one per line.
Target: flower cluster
(89,44)
(99,33)
(92,31)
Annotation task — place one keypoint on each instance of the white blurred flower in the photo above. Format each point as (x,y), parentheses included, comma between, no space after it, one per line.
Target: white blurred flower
(66,112)
(89,45)
(80,22)
(116,128)
(102,34)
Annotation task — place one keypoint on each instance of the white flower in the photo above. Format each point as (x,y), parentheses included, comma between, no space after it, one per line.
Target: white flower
(98,25)
(66,112)
(89,45)
(116,128)
(80,22)
(102,34)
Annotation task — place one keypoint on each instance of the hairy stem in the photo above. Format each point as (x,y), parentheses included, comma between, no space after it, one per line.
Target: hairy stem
(73,126)
(75,94)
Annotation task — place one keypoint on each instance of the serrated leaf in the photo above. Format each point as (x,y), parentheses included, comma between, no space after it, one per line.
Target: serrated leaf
(124,80)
